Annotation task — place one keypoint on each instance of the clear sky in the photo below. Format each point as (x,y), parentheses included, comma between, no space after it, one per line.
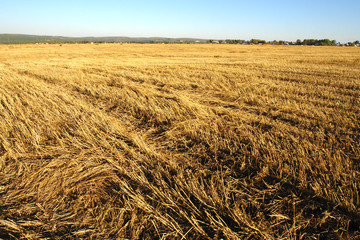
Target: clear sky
(219,19)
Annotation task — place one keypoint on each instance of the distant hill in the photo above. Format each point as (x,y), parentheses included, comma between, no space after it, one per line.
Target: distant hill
(23,38)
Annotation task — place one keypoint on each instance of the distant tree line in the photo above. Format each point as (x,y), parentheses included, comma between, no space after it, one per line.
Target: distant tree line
(316,42)
(129,41)
(308,42)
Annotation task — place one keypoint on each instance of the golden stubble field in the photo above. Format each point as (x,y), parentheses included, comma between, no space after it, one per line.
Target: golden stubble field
(139,141)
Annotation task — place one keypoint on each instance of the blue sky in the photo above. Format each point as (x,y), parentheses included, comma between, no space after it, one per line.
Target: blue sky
(220,19)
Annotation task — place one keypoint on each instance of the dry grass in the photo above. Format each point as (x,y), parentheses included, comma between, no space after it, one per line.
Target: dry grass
(179,142)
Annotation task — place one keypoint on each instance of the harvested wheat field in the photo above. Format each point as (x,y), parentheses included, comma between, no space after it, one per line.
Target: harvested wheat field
(141,141)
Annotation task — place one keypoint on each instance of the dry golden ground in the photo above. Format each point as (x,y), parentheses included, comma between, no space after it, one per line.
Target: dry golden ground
(179,142)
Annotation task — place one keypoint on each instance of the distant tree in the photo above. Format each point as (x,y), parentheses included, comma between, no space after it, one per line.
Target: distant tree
(257,41)
(230,41)
(311,42)
(324,42)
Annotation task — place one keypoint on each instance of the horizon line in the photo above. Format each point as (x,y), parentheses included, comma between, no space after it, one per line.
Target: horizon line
(122,36)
